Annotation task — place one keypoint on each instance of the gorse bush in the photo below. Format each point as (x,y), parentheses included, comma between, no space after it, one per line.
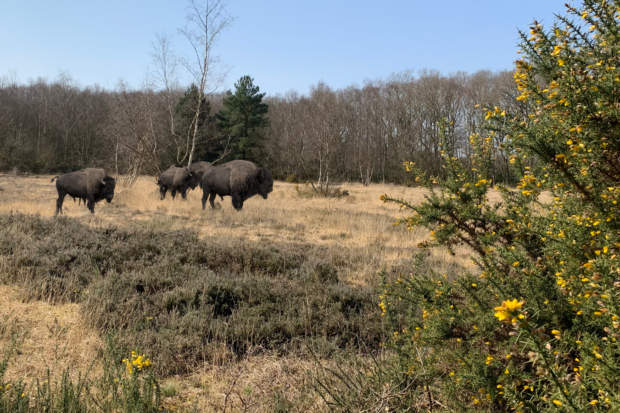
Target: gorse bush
(535,328)
(127,386)
(186,300)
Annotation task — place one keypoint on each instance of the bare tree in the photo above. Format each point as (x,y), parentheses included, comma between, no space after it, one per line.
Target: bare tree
(68,109)
(10,79)
(324,132)
(138,129)
(206,19)
(166,74)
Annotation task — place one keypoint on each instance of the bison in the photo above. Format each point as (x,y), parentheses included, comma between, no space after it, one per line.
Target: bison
(199,168)
(90,184)
(176,179)
(238,179)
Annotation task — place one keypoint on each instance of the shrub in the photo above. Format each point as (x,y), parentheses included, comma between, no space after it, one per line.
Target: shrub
(127,386)
(187,300)
(169,390)
(292,178)
(535,328)
(308,190)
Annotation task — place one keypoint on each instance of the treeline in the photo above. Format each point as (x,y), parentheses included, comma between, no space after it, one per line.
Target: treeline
(365,133)
(58,126)
(358,133)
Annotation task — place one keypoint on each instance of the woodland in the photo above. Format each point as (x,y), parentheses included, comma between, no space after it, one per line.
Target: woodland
(362,133)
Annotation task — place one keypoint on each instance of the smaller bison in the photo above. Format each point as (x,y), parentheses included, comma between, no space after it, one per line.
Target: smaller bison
(176,179)
(239,179)
(199,168)
(90,184)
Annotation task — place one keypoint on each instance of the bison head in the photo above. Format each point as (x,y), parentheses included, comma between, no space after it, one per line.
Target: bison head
(193,180)
(199,174)
(265,182)
(106,189)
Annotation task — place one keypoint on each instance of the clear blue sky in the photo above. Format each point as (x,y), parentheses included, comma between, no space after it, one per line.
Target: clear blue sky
(282,44)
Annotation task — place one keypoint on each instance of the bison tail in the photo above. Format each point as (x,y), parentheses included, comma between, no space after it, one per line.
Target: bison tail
(54,178)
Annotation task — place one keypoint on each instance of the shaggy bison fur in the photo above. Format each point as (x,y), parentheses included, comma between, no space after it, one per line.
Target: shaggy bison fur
(238,179)
(90,184)
(176,179)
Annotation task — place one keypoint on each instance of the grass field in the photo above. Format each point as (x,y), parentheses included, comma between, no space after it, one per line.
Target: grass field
(359,225)
(339,243)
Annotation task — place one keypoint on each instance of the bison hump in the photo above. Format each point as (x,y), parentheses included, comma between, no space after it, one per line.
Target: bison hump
(242,175)
(93,177)
(181,176)
(197,166)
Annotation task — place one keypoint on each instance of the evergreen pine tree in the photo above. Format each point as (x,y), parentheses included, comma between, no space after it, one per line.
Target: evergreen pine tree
(242,120)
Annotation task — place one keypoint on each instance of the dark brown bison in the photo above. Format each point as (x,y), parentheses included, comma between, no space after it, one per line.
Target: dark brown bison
(238,179)
(90,184)
(176,179)
(199,168)
(196,166)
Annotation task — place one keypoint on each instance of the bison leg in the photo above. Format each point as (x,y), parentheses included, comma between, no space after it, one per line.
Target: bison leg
(237,202)
(204,199)
(162,192)
(173,192)
(59,201)
(212,196)
(91,205)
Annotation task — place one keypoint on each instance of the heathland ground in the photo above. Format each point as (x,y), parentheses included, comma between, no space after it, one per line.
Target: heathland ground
(346,241)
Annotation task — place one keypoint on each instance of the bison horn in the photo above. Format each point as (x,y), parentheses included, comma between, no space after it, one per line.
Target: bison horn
(102,182)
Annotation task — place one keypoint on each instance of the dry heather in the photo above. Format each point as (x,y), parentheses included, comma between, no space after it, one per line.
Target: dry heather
(357,228)
(355,234)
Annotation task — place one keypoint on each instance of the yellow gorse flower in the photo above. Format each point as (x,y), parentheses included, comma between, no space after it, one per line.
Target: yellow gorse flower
(513,305)
(502,314)
(507,308)
(137,362)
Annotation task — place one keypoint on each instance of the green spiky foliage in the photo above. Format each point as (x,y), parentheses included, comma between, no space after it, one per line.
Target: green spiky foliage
(534,325)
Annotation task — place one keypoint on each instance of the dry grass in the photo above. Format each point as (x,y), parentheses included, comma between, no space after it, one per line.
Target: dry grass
(256,384)
(357,229)
(52,337)
(357,232)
